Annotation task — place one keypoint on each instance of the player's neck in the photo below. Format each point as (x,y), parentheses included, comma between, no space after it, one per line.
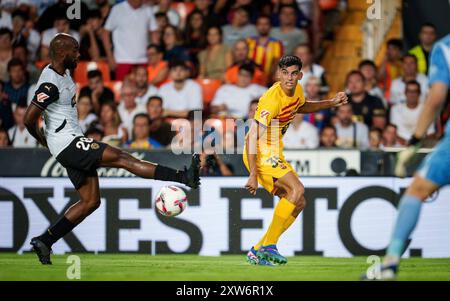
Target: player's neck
(58,68)
(288,92)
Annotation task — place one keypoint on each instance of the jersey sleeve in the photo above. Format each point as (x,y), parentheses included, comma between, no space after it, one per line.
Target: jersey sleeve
(439,70)
(267,110)
(45,94)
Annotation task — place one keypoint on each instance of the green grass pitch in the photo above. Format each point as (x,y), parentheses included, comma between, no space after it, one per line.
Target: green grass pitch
(193,268)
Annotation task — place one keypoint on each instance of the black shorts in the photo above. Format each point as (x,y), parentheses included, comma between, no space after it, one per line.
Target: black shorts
(81,158)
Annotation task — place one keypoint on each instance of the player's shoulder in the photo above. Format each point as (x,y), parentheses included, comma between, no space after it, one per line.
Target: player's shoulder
(48,75)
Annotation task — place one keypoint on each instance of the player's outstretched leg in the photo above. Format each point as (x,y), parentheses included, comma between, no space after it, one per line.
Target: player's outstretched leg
(114,157)
(408,215)
(89,201)
(289,206)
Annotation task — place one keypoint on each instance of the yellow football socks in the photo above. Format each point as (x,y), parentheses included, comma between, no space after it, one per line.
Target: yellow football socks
(291,219)
(280,222)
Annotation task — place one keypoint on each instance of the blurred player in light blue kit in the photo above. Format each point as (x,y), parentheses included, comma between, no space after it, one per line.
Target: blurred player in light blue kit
(435,169)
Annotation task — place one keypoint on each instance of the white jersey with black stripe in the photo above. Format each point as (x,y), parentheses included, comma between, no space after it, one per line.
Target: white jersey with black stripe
(56,95)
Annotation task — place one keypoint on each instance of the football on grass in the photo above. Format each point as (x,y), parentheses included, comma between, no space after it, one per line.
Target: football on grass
(171,201)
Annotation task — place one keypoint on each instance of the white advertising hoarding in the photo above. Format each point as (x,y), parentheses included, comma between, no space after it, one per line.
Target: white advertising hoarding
(343,217)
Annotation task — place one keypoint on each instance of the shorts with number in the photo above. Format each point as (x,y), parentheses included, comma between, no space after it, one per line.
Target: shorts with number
(436,165)
(81,159)
(270,169)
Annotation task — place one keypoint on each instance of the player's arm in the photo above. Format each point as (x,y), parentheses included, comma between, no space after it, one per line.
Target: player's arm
(314,106)
(31,119)
(256,131)
(45,94)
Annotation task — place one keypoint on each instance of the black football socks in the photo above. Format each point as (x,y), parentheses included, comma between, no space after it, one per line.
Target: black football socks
(168,174)
(58,230)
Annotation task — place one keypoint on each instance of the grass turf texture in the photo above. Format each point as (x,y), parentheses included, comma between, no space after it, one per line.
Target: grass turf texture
(192,268)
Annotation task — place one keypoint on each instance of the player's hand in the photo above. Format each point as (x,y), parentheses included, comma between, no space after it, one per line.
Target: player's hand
(252,184)
(340,99)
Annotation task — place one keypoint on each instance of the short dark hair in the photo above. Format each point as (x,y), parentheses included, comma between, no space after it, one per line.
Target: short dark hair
(367,63)
(254,101)
(156,47)
(94,73)
(263,16)
(328,126)
(411,56)
(177,63)
(428,24)
(390,125)
(155,97)
(250,68)
(293,6)
(94,14)
(60,16)
(395,43)
(19,13)
(5,30)
(13,63)
(290,60)
(141,115)
(354,72)
(161,14)
(413,82)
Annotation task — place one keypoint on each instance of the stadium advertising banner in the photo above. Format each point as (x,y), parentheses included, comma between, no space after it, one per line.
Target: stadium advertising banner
(343,217)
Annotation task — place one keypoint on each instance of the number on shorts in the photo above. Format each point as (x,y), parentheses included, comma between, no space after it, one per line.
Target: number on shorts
(84,143)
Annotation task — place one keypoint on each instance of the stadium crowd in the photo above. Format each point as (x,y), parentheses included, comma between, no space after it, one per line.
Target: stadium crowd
(146,65)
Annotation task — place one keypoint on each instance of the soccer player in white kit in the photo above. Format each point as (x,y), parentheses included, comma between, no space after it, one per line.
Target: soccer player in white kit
(55,99)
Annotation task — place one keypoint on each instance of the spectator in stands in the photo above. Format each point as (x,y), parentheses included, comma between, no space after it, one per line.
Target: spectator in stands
(410,73)
(18,134)
(161,22)
(301,134)
(4,139)
(216,58)
(233,100)
(379,119)
(158,69)
(240,53)
(172,43)
(5,18)
(17,87)
(141,134)
(85,115)
(390,138)
(97,90)
(164,6)
(130,23)
(160,130)
(114,132)
(6,113)
(105,8)
(144,89)
(91,44)
(60,25)
(195,34)
(23,35)
(20,52)
(391,67)
(265,51)
(94,132)
(375,135)
(427,37)
(312,89)
(207,10)
(288,33)
(350,134)
(240,27)
(328,136)
(405,115)
(369,71)
(60,8)
(128,107)
(363,104)
(5,52)
(182,94)
(309,68)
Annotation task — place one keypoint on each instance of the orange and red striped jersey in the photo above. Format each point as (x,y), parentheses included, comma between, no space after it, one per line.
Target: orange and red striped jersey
(265,54)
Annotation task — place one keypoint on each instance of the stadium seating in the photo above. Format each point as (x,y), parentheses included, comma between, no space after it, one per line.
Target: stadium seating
(84,67)
(209,88)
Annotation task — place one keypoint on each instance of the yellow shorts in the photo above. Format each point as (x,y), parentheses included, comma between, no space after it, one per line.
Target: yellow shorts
(270,169)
